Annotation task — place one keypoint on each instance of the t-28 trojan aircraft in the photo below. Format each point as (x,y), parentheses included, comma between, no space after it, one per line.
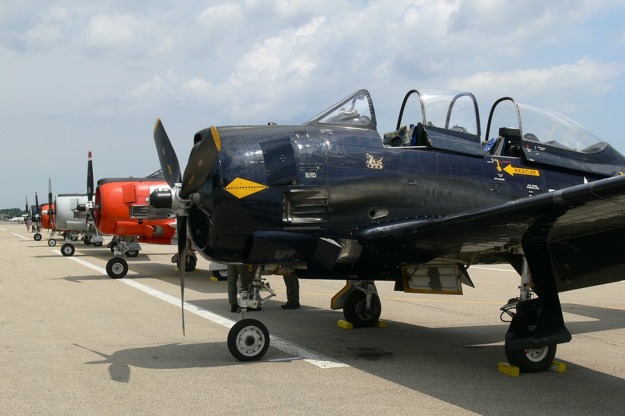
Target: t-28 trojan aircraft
(332,199)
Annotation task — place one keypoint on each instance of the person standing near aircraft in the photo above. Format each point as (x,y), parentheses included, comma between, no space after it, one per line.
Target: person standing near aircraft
(292,291)
(234,272)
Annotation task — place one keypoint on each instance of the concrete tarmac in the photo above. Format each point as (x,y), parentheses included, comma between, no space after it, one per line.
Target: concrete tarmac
(75,342)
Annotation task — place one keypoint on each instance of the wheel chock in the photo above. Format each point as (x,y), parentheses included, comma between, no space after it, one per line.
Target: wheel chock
(558,367)
(341,323)
(509,369)
(214,279)
(344,324)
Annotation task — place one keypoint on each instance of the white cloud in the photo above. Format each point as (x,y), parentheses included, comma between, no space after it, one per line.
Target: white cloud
(86,67)
(109,31)
(197,87)
(148,89)
(579,80)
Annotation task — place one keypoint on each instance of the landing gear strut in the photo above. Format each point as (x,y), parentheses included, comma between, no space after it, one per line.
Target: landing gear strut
(248,339)
(534,332)
(117,267)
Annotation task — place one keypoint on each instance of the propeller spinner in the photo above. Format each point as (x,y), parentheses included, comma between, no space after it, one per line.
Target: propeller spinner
(179,198)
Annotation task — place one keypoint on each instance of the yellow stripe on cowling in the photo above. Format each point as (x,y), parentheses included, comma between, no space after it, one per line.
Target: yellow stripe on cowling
(216,138)
(242,187)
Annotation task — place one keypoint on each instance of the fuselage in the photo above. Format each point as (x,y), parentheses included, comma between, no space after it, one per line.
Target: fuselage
(294,184)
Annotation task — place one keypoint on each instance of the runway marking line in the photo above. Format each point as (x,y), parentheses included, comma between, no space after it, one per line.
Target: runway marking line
(20,236)
(288,347)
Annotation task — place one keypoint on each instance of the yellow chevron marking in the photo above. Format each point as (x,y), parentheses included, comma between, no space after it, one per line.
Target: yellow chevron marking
(242,187)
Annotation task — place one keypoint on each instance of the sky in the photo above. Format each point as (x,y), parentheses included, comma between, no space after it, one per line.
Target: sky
(79,76)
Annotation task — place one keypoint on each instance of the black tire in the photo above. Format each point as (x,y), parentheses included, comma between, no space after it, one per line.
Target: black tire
(99,244)
(68,249)
(37,237)
(532,360)
(132,253)
(354,309)
(220,274)
(116,268)
(51,242)
(190,264)
(87,240)
(248,340)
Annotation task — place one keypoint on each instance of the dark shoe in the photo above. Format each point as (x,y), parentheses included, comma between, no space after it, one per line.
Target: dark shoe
(233,308)
(290,305)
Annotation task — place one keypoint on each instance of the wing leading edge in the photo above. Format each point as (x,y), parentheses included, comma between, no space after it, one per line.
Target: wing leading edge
(583,227)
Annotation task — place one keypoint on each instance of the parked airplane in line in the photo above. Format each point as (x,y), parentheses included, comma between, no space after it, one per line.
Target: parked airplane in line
(332,199)
(63,216)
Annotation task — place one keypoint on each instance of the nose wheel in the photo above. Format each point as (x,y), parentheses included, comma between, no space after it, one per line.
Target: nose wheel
(68,249)
(116,268)
(248,340)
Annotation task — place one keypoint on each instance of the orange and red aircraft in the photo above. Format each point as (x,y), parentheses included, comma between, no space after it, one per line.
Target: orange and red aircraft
(121,209)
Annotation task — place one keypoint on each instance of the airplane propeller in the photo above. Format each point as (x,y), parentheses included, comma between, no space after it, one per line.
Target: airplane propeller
(179,198)
(89,206)
(50,210)
(37,213)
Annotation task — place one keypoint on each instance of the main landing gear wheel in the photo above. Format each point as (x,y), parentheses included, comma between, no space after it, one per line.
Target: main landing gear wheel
(354,309)
(68,249)
(116,268)
(37,237)
(532,360)
(248,340)
(51,242)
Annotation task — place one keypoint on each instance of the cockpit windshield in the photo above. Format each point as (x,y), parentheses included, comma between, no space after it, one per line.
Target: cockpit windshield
(446,109)
(540,125)
(356,111)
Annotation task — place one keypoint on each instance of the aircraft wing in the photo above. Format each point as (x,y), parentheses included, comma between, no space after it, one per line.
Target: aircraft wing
(584,227)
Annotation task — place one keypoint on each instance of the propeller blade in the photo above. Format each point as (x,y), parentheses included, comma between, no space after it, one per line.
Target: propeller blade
(89,177)
(50,210)
(37,213)
(166,155)
(182,259)
(201,162)
(50,193)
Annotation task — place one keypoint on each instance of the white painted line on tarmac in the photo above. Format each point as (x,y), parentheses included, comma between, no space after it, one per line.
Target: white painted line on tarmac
(20,236)
(307,355)
(497,269)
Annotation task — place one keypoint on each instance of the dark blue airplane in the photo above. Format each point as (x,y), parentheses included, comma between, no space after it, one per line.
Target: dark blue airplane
(332,199)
